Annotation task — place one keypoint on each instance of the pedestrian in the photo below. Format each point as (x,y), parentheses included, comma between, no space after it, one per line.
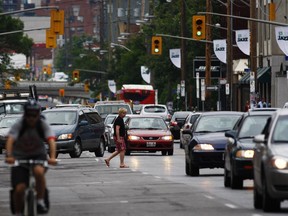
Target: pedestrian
(247,106)
(119,134)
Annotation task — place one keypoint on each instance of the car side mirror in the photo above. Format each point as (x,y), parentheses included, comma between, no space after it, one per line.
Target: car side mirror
(83,123)
(259,139)
(126,127)
(231,134)
(189,132)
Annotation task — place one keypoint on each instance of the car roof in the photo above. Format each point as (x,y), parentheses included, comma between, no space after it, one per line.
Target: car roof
(263,109)
(221,113)
(145,116)
(282,112)
(62,109)
(264,113)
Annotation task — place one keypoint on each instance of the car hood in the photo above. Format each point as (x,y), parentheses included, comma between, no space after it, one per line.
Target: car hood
(62,129)
(4,131)
(218,140)
(280,150)
(149,132)
(245,144)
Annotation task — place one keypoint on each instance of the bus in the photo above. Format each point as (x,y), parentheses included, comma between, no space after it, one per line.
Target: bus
(137,94)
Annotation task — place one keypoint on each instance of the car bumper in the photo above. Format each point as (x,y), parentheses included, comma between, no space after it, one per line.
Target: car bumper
(243,168)
(277,184)
(208,159)
(63,146)
(142,146)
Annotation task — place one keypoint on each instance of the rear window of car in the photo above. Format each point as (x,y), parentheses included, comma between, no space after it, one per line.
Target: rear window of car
(154,109)
(112,108)
(193,118)
(93,118)
(61,117)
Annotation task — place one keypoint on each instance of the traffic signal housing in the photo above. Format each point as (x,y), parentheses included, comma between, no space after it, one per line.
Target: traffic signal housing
(61,92)
(76,76)
(51,41)
(199,27)
(156,48)
(57,22)
(7,84)
(86,86)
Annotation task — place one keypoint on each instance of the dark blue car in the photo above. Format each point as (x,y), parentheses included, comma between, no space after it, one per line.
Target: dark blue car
(207,145)
(77,129)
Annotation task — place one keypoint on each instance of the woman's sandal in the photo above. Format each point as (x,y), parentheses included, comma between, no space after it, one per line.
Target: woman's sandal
(107,163)
(124,166)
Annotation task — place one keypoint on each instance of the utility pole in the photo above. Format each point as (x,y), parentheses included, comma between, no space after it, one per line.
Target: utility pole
(229,70)
(208,49)
(253,41)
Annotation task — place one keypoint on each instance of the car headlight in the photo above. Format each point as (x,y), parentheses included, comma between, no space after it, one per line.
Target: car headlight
(167,138)
(245,153)
(205,147)
(133,138)
(279,163)
(65,136)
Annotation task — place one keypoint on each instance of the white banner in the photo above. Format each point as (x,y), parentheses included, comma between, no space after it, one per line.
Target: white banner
(243,40)
(282,38)
(112,86)
(175,57)
(220,49)
(146,74)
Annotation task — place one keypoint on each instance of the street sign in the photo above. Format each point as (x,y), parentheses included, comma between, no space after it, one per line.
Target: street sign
(227,89)
(199,66)
(222,81)
(212,88)
(203,90)
(182,88)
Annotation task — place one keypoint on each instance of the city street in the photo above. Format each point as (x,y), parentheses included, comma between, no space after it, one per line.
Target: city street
(153,185)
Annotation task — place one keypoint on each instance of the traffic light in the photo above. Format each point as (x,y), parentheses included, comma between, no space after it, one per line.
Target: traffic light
(7,84)
(44,70)
(49,69)
(57,22)
(51,41)
(199,27)
(76,76)
(86,86)
(61,92)
(156,48)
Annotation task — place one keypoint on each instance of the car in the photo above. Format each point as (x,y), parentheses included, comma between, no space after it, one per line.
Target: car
(12,103)
(77,129)
(187,127)
(5,124)
(148,133)
(176,123)
(109,132)
(270,163)
(156,110)
(105,108)
(207,145)
(239,150)
(137,108)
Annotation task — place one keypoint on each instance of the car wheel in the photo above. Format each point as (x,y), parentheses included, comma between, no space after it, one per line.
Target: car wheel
(269,204)
(164,152)
(171,152)
(127,152)
(101,150)
(257,198)
(227,180)
(77,150)
(236,181)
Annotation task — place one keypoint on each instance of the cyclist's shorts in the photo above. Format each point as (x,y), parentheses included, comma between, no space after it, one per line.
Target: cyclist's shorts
(20,174)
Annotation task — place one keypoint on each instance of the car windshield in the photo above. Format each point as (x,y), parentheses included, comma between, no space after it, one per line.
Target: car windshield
(252,126)
(179,115)
(154,109)
(280,134)
(216,123)
(11,108)
(112,108)
(8,122)
(147,123)
(61,117)
(109,120)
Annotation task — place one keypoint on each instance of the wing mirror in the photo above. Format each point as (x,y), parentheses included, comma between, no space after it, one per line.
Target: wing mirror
(83,123)
(259,139)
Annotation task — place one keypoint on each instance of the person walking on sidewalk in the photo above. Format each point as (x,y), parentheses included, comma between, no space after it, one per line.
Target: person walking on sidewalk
(119,134)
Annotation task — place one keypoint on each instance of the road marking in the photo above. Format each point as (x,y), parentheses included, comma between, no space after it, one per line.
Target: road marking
(231,205)
(256,215)
(133,170)
(124,201)
(158,177)
(144,173)
(209,197)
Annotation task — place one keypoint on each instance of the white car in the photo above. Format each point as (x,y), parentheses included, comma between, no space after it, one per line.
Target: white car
(285,105)
(156,110)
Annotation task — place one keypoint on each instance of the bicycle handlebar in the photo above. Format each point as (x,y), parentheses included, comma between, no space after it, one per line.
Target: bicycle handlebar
(31,162)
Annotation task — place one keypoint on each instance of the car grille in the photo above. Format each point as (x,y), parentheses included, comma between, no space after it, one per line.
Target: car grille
(151,138)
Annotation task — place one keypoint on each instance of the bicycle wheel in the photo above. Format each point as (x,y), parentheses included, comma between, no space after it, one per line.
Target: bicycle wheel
(31,204)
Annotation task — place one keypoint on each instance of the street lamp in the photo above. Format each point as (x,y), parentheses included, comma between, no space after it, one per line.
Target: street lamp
(120,45)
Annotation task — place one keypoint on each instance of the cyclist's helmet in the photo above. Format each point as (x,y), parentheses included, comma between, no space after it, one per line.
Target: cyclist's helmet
(32,106)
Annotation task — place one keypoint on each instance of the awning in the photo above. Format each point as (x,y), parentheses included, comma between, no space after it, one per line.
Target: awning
(263,76)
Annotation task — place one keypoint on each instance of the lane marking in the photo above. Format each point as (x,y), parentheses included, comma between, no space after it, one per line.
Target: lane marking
(231,206)
(209,197)
(124,201)
(158,177)
(256,215)
(133,170)
(144,173)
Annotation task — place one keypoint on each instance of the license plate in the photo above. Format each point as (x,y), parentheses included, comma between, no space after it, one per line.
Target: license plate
(151,144)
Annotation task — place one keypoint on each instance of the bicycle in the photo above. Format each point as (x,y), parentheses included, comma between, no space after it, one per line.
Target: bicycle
(30,200)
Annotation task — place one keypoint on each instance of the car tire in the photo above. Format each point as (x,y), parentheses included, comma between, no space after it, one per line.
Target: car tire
(257,198)
(236,181)
(164,152)
(227,180)
(171,152)
(269,204)
(77,149)
(101,149)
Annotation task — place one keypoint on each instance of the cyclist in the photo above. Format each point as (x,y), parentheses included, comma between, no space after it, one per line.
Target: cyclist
(26,141)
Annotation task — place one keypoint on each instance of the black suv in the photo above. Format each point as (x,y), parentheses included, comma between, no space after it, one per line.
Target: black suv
(77,129)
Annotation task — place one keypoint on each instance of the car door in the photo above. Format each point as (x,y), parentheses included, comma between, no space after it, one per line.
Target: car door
(83,130)
(97,128)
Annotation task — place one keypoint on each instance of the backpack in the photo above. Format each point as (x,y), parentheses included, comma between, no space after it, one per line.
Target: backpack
(39,128)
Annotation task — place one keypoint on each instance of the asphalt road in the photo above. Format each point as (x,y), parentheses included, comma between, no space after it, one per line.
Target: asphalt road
(153,185)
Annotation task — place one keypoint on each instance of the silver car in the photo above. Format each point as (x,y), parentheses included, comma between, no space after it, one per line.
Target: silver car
(270,163)
(156,110)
